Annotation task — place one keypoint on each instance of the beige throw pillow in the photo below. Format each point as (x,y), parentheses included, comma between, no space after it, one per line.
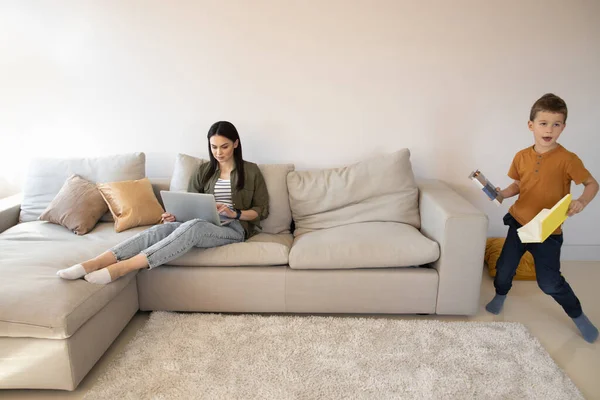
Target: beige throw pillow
(78,206)
(132,203)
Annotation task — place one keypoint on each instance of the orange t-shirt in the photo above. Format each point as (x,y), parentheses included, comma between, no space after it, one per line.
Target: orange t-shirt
(545,179)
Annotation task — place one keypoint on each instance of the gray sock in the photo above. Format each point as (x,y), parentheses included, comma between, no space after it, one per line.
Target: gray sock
(495,306)
(588,330)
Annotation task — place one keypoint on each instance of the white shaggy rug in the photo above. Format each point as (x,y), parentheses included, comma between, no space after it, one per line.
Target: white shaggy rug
(213,356)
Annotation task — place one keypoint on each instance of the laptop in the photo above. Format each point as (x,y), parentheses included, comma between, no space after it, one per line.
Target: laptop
(186,206)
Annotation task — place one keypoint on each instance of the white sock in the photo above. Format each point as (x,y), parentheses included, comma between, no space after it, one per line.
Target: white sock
(74,272)
(100,277)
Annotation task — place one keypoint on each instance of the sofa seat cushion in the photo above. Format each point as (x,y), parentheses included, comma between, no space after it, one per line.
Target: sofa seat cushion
(37,303)
(263,249)
(363,245)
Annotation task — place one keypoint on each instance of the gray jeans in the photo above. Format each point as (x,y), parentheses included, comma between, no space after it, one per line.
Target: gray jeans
(165,242)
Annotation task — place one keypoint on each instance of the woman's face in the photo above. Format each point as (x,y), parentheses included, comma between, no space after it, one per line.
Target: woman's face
(222,148)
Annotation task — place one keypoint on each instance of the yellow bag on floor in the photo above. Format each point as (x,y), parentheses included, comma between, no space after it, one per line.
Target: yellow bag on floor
(493,248)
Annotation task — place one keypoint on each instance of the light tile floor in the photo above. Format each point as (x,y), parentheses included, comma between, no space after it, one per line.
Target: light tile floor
(526,304)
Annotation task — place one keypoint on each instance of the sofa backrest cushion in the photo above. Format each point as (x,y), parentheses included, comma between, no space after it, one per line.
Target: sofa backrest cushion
(380,189)
(46,176)
(280,215)
(184,170)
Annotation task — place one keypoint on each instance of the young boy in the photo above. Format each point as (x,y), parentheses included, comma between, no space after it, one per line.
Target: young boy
(542,176)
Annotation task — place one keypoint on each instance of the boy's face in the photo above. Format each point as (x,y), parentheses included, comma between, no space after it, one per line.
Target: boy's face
(546,128)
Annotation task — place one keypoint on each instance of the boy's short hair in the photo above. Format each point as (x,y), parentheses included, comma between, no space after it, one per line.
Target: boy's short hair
(550,103)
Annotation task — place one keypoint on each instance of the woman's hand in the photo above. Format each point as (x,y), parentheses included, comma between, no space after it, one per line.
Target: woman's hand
(166,217)
(223,209)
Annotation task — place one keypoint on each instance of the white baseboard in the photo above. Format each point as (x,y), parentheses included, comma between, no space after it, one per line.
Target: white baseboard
(580,253)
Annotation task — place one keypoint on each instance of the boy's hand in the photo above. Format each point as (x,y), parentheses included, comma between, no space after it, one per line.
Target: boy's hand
(499,191)
(575,207)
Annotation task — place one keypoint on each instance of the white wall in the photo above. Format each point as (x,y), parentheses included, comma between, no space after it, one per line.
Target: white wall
(316,83)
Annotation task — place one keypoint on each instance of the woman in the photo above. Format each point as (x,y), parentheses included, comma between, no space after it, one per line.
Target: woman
(240,193)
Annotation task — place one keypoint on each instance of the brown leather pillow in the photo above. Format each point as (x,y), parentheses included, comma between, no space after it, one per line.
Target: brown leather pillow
(78,206)
(132,203)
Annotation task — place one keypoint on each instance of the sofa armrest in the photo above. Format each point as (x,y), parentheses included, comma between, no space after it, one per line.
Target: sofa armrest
(461,231)
(10,207)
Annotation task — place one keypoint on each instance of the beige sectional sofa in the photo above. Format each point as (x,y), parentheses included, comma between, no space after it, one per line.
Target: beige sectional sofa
(367,239)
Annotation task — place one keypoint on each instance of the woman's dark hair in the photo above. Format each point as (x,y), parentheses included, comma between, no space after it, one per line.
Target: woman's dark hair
(226,129)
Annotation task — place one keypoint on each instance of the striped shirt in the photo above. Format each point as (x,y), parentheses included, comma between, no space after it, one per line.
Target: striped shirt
(223,192)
